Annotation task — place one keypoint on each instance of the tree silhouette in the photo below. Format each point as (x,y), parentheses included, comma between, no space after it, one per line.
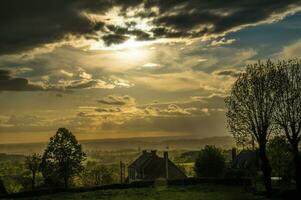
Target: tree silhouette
(33,164)
(280,157)
(210,162)
(62,158)
(250,109)
(288,109)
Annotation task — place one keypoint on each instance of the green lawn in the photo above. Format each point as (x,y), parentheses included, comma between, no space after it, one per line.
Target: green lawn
(197,192)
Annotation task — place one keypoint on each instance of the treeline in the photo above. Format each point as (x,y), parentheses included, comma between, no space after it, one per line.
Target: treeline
(264,102)
(63,164)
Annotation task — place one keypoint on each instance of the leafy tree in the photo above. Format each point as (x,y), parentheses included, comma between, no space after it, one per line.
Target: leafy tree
(210,162)
(62,158)
(33,164)
(288,109)
(15,176)
(279,153)
(96,174)
(250,105)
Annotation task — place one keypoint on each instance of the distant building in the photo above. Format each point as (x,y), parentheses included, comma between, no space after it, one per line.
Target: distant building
(149,166)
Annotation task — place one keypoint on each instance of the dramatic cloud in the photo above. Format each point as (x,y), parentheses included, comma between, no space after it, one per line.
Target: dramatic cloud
(57,80)
(195,18)
(57,20)
(88,84)
(28,24)
(129,68)
(9,83)
(114,39)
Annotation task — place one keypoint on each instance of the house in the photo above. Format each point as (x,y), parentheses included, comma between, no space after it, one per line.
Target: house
(247,160)
(149,166)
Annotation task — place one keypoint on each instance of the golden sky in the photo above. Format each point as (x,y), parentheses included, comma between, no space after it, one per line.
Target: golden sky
(138,68)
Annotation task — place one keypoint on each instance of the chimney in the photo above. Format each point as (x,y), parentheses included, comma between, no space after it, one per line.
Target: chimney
(144,152)
(166,164)
(233,154)
(154,152)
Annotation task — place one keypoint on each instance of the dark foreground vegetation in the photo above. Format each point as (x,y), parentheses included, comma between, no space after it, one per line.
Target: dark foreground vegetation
(265,101)
(163,192)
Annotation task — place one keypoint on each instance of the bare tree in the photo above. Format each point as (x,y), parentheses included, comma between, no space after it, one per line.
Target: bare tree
(33,164)
(288,109)
(250,109)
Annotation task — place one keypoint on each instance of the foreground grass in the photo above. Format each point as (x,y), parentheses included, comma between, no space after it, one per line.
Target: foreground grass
(196,192)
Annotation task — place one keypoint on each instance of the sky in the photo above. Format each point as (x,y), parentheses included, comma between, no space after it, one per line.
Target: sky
(132,68)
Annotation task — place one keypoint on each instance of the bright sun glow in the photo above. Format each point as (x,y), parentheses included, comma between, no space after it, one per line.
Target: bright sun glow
(132,54)
(131,50)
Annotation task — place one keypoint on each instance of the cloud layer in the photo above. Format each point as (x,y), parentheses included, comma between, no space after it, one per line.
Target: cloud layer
(9,83)
(56,21)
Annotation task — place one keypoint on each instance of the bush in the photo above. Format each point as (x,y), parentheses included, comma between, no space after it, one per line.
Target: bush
(96,174)
(210,162)
(236,174)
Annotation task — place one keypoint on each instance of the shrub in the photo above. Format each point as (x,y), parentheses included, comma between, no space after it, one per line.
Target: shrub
(210,162)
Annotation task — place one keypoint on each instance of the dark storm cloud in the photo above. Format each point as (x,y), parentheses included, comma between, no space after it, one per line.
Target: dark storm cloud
(9,83)
(32,23)
(28,24)
(121,34)
(212,17)
(114,39)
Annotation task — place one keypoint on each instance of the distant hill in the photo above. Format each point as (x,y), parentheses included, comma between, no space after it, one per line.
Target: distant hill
(159,143)
(5,157)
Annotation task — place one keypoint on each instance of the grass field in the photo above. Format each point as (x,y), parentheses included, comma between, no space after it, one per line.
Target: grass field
(196,192)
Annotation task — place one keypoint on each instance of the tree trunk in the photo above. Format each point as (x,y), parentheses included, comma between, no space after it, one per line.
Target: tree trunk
(66,181)
(266,169)
(297,163)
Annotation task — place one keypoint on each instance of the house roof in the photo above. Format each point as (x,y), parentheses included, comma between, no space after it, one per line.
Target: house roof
(146,156)
(156,167)
(246,159)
